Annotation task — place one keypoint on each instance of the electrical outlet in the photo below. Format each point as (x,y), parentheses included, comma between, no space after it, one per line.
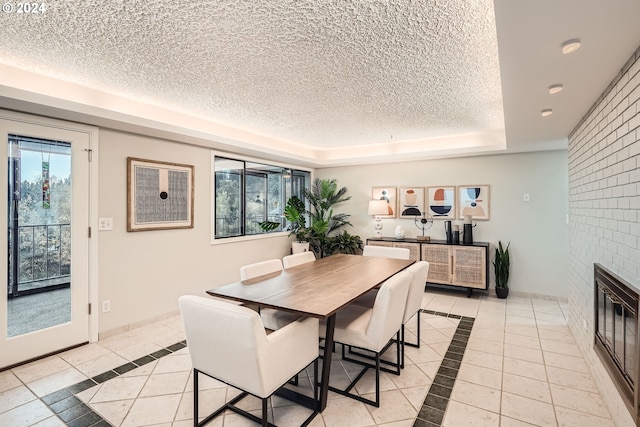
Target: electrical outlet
(584,324)
(105,224)
(106,306)
(526,197)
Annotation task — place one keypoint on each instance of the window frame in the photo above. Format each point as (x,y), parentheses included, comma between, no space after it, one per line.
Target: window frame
(246,159)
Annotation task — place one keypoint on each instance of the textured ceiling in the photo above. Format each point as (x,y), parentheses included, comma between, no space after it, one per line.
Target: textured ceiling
(322,82)
(325,73)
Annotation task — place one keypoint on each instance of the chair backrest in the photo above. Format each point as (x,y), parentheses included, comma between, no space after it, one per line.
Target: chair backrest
(388,309)
(419,272)
(297,259)
(386,252)
(260,268)
(223,340)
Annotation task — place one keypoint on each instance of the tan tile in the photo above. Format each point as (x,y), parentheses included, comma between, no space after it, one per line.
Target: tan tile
(566,362)
(115,411)
(579,400)
(152,410)
(55,382)
(84,353)
(569,418)
(528,410)
(560,347)
(512,422)
(487,346)
(25,415)
(525,368)
(346,412)
(481,376)
(40,368)
(459,414)
(120,388)
(101,364)
(410,376)
(523,353)
(526,387)
(53,421)
(554,335)
(476,395)
(488,334)
(480,358)
(8,381)
(522,340)
(573,379)
(415,395)
(159,384)
(15,397)
(529,331)
(425,353)
(394,406)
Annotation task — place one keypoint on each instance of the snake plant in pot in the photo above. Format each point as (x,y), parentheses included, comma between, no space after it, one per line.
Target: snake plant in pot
(501,265)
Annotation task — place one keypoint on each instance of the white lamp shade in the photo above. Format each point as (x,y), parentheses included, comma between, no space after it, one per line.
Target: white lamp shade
(378,207)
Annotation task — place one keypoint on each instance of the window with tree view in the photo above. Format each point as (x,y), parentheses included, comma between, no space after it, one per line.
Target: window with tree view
(248,193)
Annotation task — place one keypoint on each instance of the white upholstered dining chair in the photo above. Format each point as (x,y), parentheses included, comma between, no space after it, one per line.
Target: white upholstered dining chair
(229,343)
(372,329)
(297,259)
(260,268)
(386,252)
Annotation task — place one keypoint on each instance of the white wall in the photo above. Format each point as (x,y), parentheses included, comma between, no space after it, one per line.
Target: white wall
(537,229)
(604,176)
(143,273)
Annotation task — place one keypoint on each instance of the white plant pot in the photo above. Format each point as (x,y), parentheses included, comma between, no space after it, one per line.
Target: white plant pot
(299,247)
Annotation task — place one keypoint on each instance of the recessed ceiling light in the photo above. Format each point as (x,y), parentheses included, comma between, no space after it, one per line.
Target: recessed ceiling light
(571,46)
(555,88)
(546,112)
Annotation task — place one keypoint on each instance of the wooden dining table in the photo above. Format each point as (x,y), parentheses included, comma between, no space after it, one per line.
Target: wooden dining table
(316,289)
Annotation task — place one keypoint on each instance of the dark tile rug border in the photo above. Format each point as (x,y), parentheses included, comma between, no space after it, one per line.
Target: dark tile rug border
(435,404)
(75,413)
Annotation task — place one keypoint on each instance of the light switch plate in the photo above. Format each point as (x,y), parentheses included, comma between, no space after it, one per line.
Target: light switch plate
(105,224)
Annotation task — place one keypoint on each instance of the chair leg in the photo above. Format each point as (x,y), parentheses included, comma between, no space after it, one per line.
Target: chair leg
(265,417)
(195,398)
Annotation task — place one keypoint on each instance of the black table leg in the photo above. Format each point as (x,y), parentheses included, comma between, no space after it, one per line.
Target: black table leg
(326,362)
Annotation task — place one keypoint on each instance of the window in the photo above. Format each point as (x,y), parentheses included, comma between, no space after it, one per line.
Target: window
(248,193)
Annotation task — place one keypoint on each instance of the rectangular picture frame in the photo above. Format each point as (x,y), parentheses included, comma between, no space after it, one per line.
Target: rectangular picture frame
(441,202)
(410,201)
(474,200)
(387,193)
(159,195)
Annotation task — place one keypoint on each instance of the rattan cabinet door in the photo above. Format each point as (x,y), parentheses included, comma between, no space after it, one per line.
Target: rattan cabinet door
(440,263)
(469,267)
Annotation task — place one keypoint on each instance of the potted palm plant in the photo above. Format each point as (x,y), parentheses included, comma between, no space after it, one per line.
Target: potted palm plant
(501,265)
(294,213)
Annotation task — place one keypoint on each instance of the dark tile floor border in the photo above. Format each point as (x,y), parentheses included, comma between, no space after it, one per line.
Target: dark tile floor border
(75,413)
(435,404)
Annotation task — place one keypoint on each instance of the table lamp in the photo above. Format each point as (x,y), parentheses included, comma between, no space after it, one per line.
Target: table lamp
(376,209)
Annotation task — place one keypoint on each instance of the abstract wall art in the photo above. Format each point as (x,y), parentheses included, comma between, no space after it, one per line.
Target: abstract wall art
(473,200)
(159,195)
(411,202)
(441,202)
(389,195)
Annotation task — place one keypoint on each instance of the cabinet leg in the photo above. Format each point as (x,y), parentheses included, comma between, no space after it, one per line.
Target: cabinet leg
(469,292)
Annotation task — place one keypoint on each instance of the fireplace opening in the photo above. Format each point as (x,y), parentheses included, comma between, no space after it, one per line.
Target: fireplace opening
(616,333)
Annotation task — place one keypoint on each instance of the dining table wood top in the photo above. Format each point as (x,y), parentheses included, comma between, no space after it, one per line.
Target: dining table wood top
(318,288)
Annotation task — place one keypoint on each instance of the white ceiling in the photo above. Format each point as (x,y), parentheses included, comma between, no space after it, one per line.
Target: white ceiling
(321,82)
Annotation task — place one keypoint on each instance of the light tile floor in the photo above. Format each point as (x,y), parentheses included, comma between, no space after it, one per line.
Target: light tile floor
(498,362)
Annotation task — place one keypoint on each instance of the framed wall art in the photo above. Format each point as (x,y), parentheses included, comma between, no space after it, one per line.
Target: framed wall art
(441,202)
(389,195)
(474,200)
(411,202)
(159,195)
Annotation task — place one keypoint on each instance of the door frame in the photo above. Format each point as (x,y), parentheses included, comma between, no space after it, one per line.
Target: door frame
(92,133)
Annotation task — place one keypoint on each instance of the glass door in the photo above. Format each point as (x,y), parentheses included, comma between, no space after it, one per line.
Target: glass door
(46,304)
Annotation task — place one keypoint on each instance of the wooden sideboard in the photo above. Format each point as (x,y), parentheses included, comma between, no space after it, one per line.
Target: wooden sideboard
(460,265)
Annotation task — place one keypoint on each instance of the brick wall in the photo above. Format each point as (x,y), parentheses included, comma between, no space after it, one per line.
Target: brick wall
(604,209)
